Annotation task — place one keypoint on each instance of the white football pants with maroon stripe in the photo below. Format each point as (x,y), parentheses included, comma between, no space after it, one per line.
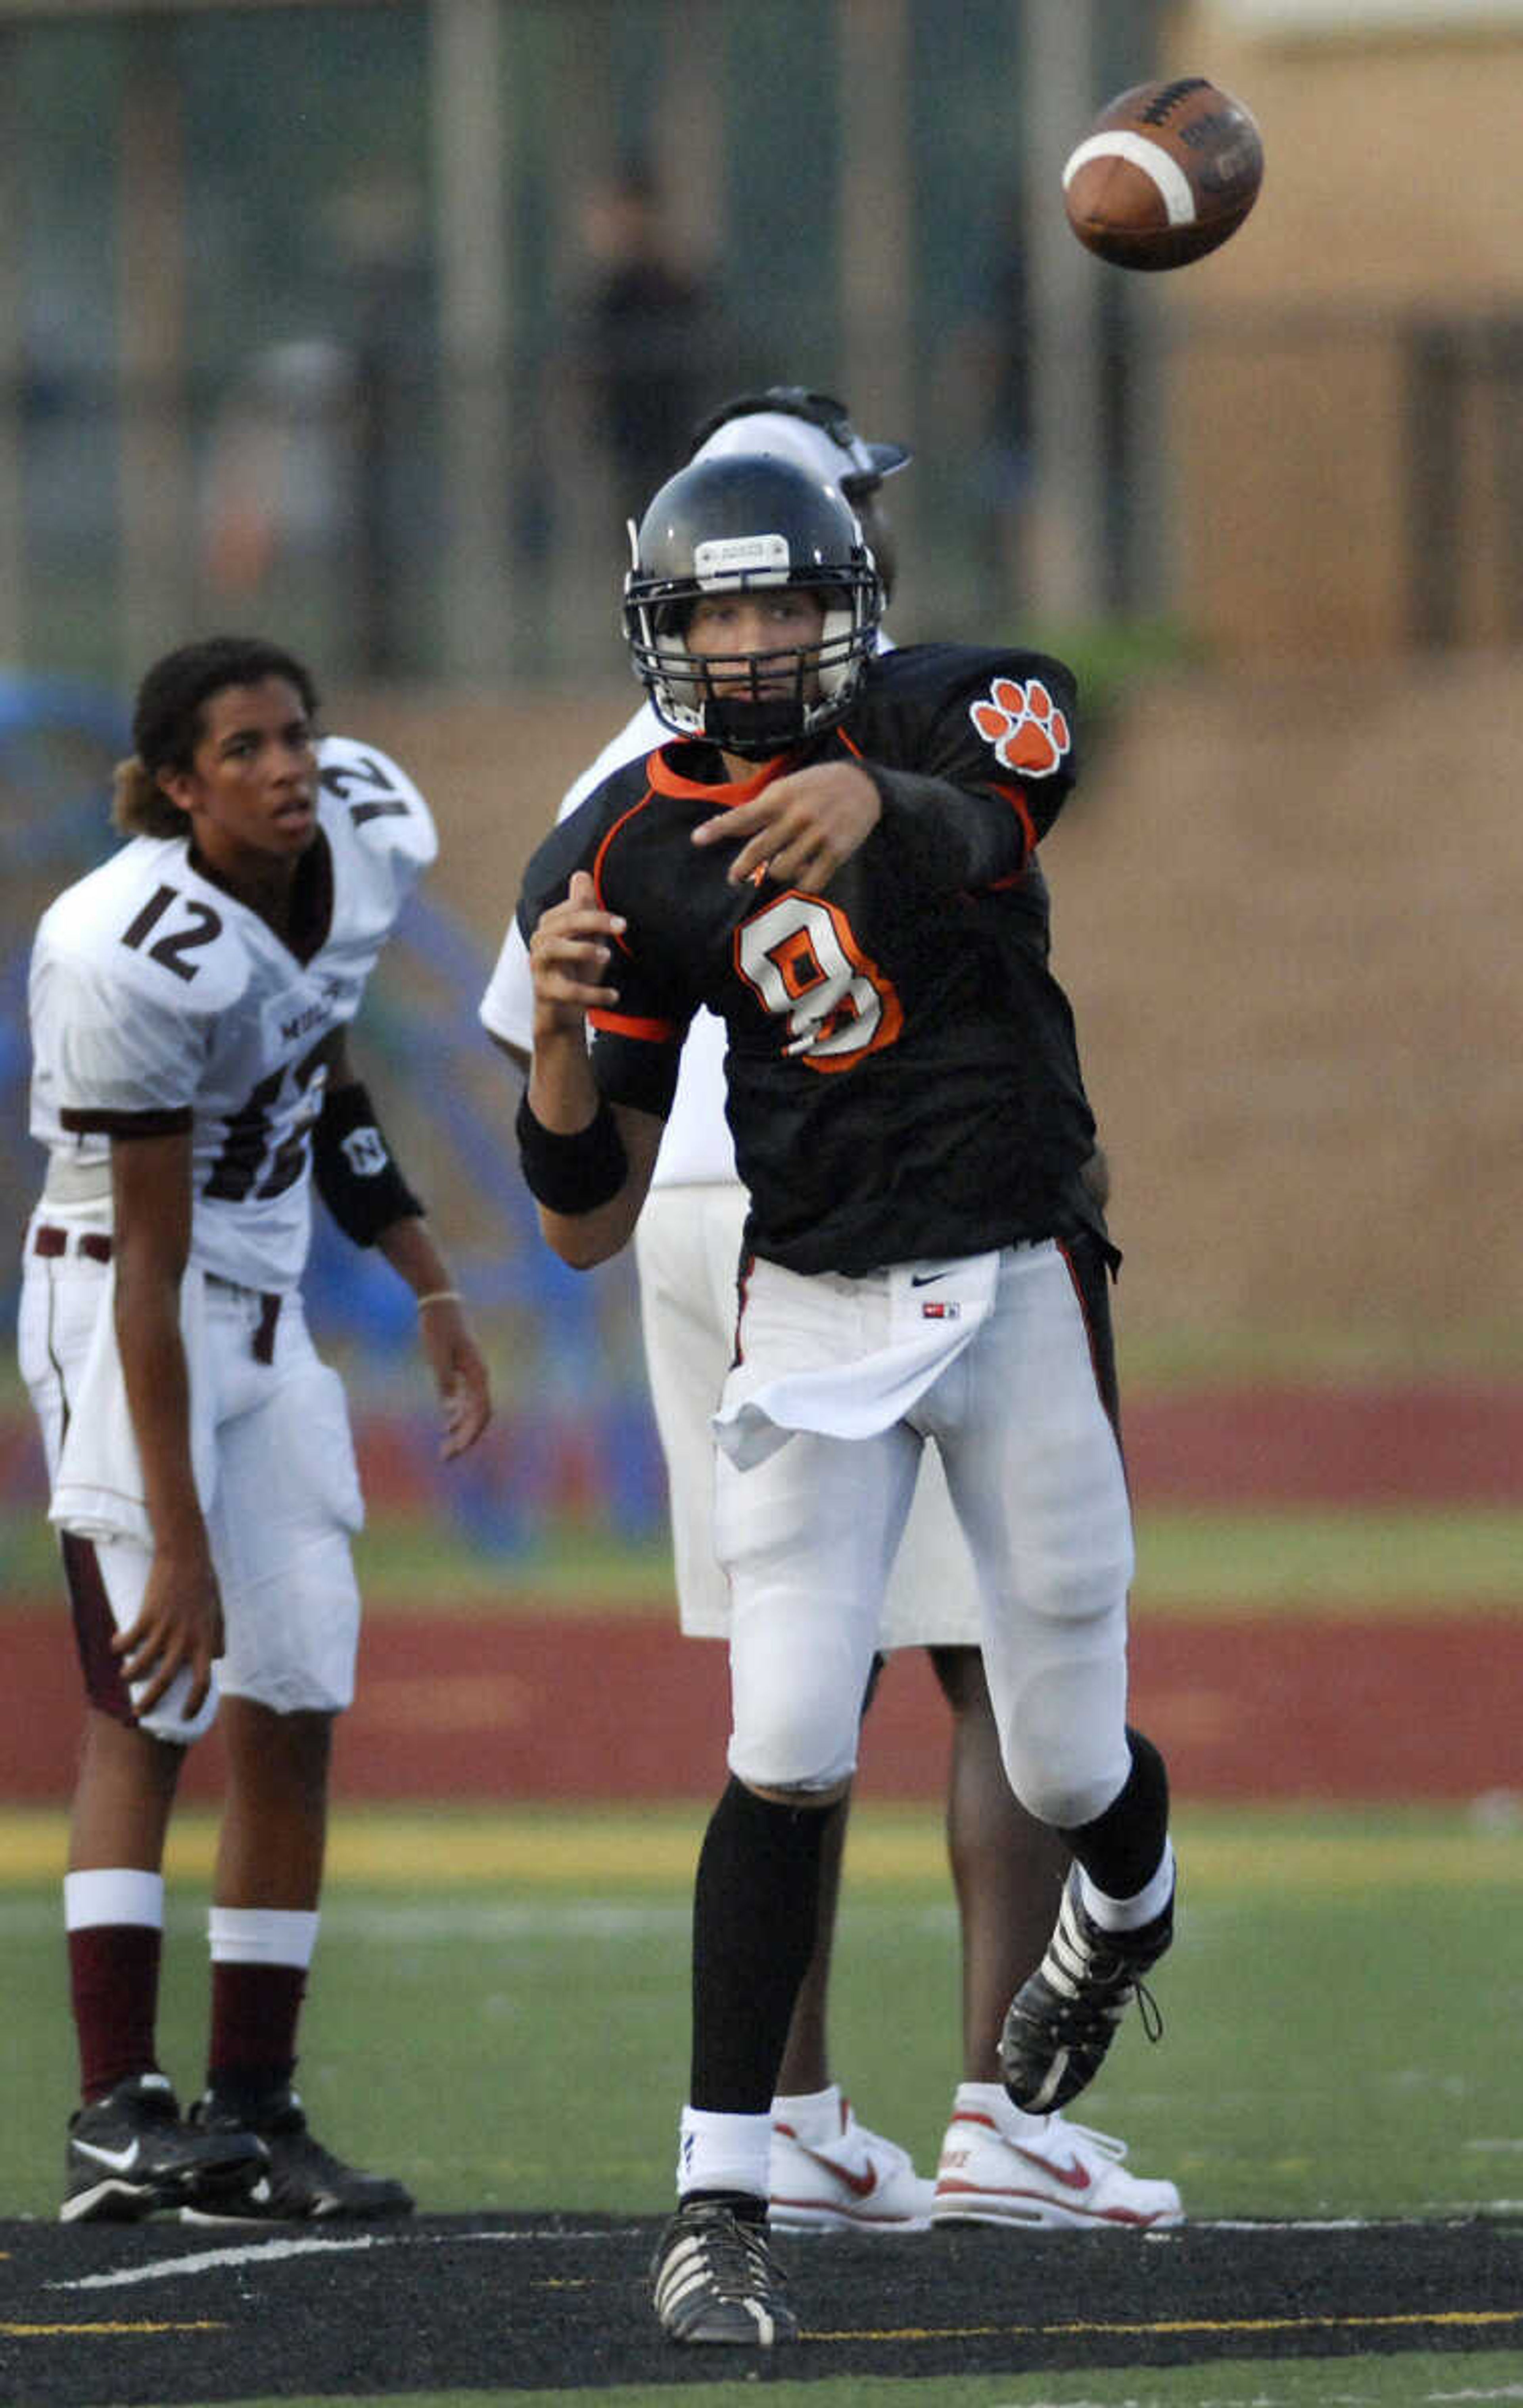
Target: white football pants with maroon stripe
(807,1534)
(275,1464)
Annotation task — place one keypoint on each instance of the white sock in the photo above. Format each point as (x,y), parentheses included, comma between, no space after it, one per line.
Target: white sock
(1131,1914)
(810,2114)
(118,1893)
(724,2152)
(993,2100)
(260,1935)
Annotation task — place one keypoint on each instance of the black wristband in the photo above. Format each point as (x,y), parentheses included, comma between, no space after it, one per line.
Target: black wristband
(571,1174)
(355,1171)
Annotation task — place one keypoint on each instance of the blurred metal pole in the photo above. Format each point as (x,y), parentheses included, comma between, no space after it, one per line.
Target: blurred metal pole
(1066,533)
(689,131)
(470,145)
(1506,379)
(157,535)
(576,615)
(12,365)
(1433,363)
(875,278)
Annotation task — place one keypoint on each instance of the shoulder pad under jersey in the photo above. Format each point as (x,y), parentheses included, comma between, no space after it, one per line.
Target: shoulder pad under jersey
(366,794)
(575,841)
(146,925)
(640,737)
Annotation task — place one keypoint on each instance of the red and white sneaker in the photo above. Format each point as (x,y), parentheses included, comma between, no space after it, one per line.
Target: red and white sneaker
(1001,2166)
(830,2174)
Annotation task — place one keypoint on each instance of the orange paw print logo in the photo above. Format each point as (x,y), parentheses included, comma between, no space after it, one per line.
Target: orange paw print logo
(1025,726)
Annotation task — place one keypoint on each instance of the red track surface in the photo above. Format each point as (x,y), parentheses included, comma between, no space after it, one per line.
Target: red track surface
(568,1707)
(572,1708)
(1459,1442)
(1456,1443)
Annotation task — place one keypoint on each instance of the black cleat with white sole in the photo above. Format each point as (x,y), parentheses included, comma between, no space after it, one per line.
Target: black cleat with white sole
(1064,2017)
(129,2155)
(299,2181)
(716,2280)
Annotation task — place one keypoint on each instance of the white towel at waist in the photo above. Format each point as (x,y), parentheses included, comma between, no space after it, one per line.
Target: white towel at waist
(99,1490)
(846,1358)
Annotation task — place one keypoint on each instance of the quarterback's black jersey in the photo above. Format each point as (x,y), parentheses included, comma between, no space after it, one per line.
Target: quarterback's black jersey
(903,1079)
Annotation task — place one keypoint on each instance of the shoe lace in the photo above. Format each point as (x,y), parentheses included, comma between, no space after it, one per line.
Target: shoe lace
(736,2257)
(1150,2012)
(1108,1969)
(1081,2021)
(1104,2144)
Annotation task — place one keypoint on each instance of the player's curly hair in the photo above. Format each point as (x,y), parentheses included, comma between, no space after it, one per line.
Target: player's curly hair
(167,722)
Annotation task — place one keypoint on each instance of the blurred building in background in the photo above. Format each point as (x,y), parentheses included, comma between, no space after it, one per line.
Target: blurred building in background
(1345,418)
(316,314)
(312,313)
(361,322)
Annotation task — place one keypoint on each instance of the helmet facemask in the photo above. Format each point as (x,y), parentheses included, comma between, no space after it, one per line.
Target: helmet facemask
(723,699)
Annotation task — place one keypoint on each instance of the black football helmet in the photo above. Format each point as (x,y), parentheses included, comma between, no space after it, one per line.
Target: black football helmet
(728,526)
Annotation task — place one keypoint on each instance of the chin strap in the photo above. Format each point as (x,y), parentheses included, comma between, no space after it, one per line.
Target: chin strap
(757,731)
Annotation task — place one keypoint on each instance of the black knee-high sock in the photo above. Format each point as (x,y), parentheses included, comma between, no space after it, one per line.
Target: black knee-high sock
(1120,1850)
(754,1911)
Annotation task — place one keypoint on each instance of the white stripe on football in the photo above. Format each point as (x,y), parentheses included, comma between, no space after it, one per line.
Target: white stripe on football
(1167,174)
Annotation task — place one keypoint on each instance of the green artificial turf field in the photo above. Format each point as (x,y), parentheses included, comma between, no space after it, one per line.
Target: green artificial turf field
(499,2017)
(1331,2006)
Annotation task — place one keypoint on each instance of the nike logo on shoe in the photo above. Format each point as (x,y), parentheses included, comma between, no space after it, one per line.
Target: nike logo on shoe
(861,2185)
(1072,2176)
(121,2161)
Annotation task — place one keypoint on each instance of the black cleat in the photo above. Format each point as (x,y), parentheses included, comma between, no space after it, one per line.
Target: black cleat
(1063,2018)
(299,2181)
(716,2280)
(129,2155)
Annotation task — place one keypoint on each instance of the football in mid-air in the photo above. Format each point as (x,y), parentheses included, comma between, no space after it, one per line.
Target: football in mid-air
(1165,174)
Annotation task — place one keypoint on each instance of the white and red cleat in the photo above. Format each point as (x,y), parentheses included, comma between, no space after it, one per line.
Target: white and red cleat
(830,2174)
(999,2165)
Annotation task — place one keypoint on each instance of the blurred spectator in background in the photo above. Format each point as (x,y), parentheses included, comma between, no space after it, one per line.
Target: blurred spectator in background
(315,491)
(644,320)
(281,471)
(991,408)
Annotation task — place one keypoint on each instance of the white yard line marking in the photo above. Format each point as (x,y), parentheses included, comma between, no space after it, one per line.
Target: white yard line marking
(1506,2391)
(264,2253)
(270,2252)
(1298,2223)
(443,1921)
(204,2261)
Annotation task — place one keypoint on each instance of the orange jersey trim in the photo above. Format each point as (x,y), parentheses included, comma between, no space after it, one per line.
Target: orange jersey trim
(618,1023)
(724,796)
(622,822)
(1022,810)
(664,779)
